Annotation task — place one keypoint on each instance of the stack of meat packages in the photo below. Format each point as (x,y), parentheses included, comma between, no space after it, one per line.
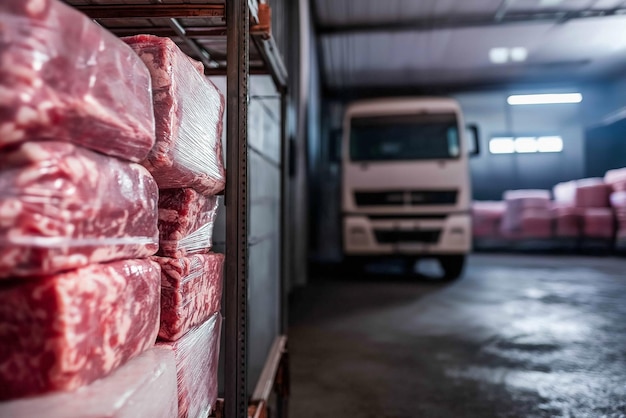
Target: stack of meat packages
(582,209)
(487,218)
(616,179)
(79,293)
(187,164)
(527,215)
(110,160)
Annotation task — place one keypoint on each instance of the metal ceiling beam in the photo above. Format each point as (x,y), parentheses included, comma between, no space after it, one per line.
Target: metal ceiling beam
(192,32)
(467,21)
(117,11)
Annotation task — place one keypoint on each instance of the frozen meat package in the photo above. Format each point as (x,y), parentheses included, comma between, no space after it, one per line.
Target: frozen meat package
(188,110)
(63,207)
(191,291)
(186,220)
(129,392)
(197,357)
(64,331)
(65,78)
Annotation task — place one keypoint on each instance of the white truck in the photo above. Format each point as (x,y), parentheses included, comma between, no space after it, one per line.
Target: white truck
(405,182)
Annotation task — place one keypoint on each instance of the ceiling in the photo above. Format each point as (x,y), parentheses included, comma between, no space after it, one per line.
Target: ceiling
(426,43)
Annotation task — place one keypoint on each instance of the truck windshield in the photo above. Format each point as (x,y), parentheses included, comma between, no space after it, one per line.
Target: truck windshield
(404,137)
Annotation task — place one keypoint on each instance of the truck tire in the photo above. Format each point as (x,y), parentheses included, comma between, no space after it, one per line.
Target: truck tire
(452,266)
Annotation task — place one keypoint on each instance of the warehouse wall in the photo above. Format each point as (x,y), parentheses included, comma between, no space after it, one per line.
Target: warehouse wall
(492,174)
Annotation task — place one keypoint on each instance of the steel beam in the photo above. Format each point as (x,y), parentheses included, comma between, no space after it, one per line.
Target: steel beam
(117,11)
(468,21)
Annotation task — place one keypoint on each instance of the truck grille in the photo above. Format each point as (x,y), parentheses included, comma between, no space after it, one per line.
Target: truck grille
(426,236)
(406,198)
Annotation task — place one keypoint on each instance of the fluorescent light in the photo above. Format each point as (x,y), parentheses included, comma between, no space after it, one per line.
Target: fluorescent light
(524,145)
(499,55)
(502,146)
(550,144)
(529,99)
(519,54)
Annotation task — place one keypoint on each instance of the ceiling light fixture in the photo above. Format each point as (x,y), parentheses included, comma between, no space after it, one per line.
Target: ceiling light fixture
(499,55)
(533,99)
(524,145)
(502,145)
(519,54)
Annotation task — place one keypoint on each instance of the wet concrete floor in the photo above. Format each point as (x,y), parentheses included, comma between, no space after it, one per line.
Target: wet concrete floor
(517,336)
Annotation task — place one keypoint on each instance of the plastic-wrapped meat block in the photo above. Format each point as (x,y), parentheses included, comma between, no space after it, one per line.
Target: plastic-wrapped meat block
(197,357)
(518,202)
(63,207)
(143,387)
(186,220)
(191,291)
(536,223)
(618,202)
(598,223)
(616,179)
(188,110)
(565,193)
(64,78)
(567,221)
(592,193)
(64,331)
(486,218)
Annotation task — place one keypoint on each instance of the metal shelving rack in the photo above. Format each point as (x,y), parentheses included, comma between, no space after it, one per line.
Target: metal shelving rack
(206,31)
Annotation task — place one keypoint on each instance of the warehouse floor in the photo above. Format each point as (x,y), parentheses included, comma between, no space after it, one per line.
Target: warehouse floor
(518,336)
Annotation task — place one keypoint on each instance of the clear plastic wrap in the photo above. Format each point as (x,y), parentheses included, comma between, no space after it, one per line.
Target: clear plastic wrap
(188,109)
(592,193)
(64,331)
(63,207)
(191,291)
(197,358)
(521,204)
(145,387)
(616,179)
(186,220)
(64,78)
(565,193)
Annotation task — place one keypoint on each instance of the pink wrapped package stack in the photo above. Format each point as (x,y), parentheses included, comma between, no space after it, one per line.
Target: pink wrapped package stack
(536,223)
(526,209)
(567,221)
(565,193)
(63,207)
(598,223)
(63,331)
(197,357)
(143,387)
(592,193)
(618,202)
(186,220)
(486,218)
(188,110)
(64,78)
(191,291)
(616,179)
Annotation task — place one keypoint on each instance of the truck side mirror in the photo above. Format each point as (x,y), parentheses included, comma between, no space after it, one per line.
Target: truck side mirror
(334,146)
(473,139)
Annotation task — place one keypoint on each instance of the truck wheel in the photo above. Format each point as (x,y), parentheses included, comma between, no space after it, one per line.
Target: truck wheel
(452,265)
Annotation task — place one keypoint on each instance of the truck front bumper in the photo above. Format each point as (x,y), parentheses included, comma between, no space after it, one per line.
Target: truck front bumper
(363,235)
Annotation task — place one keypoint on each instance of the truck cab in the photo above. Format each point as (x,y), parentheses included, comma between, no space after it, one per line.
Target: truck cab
(405,181)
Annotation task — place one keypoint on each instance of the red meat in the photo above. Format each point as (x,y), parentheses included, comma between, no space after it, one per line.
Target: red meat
(197,358)
(191,291)
(186,221)
(64,331)
(129,392)
(63,207)
(64,78)
(188,109)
